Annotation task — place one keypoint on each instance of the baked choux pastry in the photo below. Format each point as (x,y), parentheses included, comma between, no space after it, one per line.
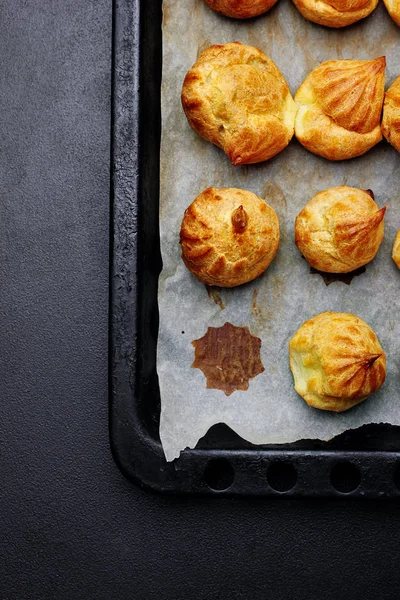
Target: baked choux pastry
(335,13)
(228,236)
(340,229)
(391,114)
(336,361)
(340,106)
(235,97)
(396,249)
(393,8)
(241,9)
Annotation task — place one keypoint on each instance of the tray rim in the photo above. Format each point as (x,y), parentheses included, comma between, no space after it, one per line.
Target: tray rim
(138,455)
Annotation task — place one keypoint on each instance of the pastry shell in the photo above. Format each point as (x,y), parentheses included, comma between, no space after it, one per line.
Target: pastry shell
(396,249)
(391,114)
(340,229)
(336,361)
(235,97)
(340,106)
(228,236)
(241,9)
(393,8)
(335,13)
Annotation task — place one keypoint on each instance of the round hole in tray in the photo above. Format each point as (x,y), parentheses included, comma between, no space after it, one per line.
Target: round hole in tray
(345,477)
(219,474)
(281,476)
(396,477)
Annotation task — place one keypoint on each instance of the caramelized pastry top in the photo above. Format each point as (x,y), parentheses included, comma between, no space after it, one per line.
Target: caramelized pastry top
(340,229)
(391,114)
(336,360)
(241,9)
(340,105)
(351,92)
(235,97)
(228,236)
(335,13)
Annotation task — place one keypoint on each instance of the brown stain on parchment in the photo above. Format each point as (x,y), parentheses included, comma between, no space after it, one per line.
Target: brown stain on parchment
(256,316)
(229,357)
(214,294)
(275,197)
(244,171)
(255,309)
(165,14)
(198,5)
(258,321)
(266,304)
(278,289)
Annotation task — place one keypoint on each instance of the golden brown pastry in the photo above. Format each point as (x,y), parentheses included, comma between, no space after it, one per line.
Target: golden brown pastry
(391,114)
(396,249)
(241,9)
(336,361)
(340,106)
(228,236)
(340,229)
(393,8)
(235,97)
(335,13)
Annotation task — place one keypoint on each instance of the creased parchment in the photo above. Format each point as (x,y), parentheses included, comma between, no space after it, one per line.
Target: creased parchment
(277,303)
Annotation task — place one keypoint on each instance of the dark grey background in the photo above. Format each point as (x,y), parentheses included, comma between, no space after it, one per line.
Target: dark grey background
(71,527)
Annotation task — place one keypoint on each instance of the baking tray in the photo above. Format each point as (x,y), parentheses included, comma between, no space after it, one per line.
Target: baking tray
(359,463)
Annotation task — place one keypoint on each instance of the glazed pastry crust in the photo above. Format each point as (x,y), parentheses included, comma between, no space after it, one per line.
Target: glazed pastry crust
(336,361)
(396,249)
(228,236)
(235,97)
(335,13)
(340,106)
(393,8)
(340,229)
(391,114)
(241,9)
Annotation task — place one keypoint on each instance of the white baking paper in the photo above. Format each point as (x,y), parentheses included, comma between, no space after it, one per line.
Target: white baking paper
(278,302)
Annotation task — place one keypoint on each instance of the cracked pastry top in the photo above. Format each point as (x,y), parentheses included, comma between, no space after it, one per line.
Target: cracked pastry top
(393,8)
(336,361)
(391,114)
(340,106)
(396,249)
(335,13)
(235,97)
(340,229)
(241,9)
(228,236)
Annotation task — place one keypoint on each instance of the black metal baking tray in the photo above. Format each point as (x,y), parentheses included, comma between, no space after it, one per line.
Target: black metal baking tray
(363,462)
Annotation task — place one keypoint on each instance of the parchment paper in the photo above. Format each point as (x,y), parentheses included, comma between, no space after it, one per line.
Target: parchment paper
(277,303)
